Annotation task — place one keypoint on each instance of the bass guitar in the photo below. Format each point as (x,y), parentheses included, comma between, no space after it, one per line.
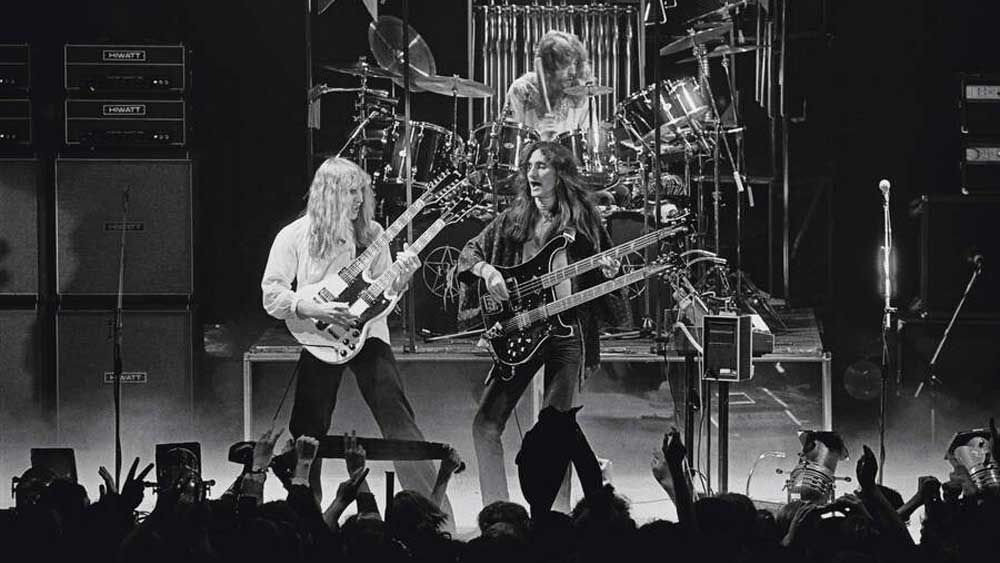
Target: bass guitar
(367,297)
(514,341)
(534,282)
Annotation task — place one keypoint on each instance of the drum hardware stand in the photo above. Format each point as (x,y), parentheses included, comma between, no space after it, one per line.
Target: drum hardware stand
(932,381)
(411,309)
(653,301)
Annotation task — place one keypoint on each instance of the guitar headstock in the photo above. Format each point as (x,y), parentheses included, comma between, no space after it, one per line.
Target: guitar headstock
(443,187)
(667,264)
(464,201)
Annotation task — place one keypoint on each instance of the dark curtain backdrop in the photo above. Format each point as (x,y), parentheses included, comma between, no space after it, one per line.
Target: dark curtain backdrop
(881,97)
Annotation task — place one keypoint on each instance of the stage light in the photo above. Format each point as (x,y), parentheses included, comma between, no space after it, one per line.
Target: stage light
(812,479)
(971,453)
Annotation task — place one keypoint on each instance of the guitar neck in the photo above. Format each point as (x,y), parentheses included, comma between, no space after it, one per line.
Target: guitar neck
(526,318)
(593,262)
(362,262)
(373,291)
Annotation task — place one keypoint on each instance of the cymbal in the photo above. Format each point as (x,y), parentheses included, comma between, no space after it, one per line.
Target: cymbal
(724,50)
(385,38)
(453,86)
(360,68)
(696,38)
(588,90)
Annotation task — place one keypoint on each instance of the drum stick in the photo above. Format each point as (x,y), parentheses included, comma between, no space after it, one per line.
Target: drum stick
(541,80)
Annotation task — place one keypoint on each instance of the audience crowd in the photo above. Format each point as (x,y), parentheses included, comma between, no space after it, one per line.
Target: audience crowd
(54,519)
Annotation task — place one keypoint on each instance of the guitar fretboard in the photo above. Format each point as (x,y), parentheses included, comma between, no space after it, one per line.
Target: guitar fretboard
(524,320)
(350,272)
(371,293)
(593,262)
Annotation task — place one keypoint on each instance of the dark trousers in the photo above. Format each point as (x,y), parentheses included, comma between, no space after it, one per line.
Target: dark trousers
(562,358)
(382,388)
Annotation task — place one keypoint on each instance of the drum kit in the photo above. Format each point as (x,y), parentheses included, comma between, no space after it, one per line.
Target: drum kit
(614,158)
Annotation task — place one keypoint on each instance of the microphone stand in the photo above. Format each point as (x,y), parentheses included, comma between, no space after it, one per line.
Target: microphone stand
(116,332)
(887,311)
(932,380)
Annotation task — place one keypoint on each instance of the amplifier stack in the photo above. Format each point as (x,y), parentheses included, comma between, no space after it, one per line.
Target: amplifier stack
(113,167)
(125,96)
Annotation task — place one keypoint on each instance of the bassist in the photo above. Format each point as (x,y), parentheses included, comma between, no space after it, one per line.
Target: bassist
(552,202)
(336,224)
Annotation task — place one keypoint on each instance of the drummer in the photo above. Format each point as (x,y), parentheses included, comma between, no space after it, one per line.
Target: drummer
(564,63)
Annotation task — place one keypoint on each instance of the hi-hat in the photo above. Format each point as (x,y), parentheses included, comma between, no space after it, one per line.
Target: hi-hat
(453,86)
(724,50)
(588,90)
(385,38)
(696,38)
(360,68)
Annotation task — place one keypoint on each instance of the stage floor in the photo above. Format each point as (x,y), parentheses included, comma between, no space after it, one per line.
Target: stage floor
(628,405)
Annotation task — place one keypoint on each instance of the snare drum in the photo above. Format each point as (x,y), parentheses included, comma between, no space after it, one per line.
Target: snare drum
(498,147)
(681,106)
(430,148)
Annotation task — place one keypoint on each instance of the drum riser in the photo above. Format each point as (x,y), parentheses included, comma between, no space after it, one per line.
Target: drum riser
(507,36)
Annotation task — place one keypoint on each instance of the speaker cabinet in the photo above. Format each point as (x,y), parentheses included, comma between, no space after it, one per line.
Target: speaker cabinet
(23,387)
(156,389)
(952,230)
(90,196)
(18,227)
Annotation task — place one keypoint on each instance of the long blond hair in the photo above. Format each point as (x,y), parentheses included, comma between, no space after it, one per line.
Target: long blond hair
(330,203)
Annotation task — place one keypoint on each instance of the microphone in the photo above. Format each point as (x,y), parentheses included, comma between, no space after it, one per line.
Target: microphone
(884,185)
(976,260)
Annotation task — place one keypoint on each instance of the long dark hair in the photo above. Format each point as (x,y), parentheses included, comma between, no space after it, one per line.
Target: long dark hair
(574,208)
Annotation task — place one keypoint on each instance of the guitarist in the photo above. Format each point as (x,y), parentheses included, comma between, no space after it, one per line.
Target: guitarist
(551,202)
(337,222)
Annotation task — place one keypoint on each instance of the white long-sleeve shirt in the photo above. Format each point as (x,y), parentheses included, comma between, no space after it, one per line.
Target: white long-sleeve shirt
(524,98)
(289,261)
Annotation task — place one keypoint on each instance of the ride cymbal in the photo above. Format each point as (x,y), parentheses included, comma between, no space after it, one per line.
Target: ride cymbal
(453,86)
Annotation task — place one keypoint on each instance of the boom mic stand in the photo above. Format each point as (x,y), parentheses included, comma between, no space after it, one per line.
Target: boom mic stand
(116,332)
(932,380)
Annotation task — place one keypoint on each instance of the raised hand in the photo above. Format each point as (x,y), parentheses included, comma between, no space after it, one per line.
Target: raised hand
(929,488)
(673,448)
(867,469)
(134,488)
(306,448)
(108,490)
(263,450)
(354,453)
(452,463)
(347,490)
